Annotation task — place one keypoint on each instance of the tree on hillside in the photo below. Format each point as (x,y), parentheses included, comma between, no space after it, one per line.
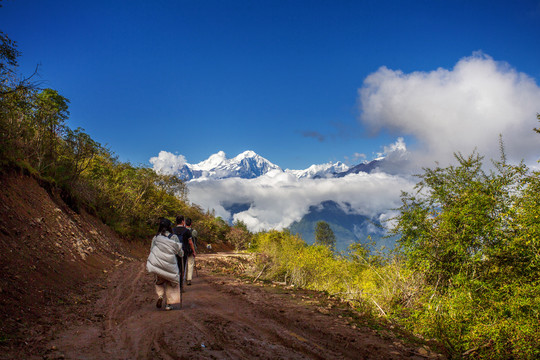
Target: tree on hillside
(324,235)
(239,237)
(78,151)
(15,102)
(473,236)
(8,56)
(10,82)
(50,114)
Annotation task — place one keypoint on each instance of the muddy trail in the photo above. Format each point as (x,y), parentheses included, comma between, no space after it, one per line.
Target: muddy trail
(222,317)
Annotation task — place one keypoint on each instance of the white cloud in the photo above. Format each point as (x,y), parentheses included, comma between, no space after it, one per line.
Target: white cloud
(456,110)
(399,146)
(278,198)
(167,163)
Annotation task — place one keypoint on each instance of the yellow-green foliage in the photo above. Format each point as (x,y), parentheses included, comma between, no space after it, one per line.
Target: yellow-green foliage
(357,277)
(475,238)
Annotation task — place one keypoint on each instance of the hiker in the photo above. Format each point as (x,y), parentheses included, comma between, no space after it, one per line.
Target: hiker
(191,253)
(184,234)
(163,264)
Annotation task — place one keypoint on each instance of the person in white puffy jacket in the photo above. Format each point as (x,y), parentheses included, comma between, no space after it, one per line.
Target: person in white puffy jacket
(162,262)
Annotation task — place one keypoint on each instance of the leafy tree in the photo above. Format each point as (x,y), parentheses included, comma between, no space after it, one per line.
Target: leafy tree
(239,236)
(240,225)
(78,150)
(10,82)
(50,114)
(16,97)
(473,236)
(324,235)
(8,57)
(460,218)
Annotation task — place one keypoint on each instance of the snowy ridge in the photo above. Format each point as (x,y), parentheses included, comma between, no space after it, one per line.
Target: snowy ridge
(320,171)
(247,165)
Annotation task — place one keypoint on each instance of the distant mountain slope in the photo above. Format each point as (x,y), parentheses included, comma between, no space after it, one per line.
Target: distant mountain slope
(366,167)
(322,170)
(347,226)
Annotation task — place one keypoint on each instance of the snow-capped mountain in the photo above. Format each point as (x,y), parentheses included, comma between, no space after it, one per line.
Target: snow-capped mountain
(320,171)
(247,165)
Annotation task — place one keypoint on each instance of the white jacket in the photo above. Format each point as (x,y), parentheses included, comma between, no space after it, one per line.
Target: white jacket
(162,259)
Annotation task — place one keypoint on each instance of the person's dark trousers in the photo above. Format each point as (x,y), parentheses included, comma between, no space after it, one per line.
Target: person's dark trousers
(185,266)
(181,268)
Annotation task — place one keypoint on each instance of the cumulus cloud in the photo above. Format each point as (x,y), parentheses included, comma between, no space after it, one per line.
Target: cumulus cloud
(397,147)
(396,159)
(457,110)
(278,198)
(167,163)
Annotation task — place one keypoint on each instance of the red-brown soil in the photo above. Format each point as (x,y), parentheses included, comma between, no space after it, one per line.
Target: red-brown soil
(48,253)
(71,289)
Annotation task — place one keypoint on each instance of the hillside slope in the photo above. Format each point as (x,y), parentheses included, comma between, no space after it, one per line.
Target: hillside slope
(48,252)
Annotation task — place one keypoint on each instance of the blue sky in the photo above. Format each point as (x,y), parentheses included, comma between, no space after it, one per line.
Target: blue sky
(280,78)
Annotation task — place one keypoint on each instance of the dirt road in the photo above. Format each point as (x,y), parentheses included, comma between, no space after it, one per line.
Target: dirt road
(222,317)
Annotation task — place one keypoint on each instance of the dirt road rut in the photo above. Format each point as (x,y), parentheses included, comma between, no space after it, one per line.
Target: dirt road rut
(221,318)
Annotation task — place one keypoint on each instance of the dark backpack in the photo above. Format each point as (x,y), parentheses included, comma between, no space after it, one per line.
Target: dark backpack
(180,233)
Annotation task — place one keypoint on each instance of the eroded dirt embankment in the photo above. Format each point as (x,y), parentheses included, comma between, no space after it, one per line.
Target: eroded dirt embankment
(48,254)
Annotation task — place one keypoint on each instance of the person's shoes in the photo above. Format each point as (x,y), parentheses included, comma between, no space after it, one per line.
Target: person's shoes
(189,282)
(168,307)
(159,302)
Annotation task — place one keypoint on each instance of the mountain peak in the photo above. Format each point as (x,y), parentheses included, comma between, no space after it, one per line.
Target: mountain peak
(213,161)
(247,153)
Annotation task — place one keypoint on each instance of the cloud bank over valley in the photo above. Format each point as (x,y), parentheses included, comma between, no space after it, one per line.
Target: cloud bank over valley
(278,198)
(275,198)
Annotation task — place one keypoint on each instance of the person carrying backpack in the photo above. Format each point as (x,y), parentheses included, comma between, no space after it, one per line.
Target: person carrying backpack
(191,253)
(162,262)
(184,234)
